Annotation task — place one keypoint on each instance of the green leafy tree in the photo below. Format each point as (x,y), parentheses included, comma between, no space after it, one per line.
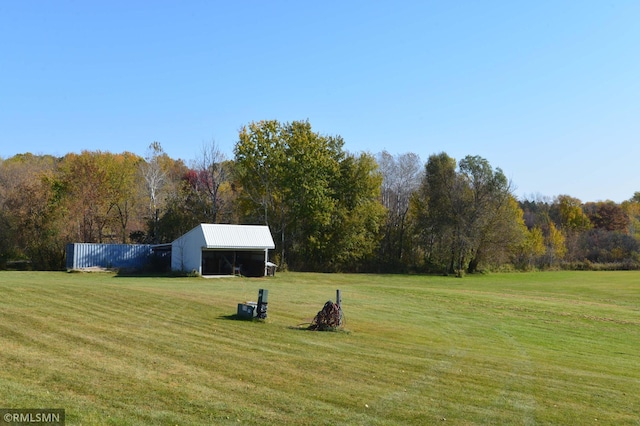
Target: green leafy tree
(353,232)
(259,169)
(259,161)
(501,236)
(433,212)
(466,216)
(494,220)
(290,179)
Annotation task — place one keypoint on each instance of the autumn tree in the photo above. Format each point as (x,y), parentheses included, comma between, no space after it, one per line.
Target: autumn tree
(501,236)
(495,221)
(600,245)
(124,195)
(555,243)
(530,249)
(631,208)
(29,212)
(175,215)
(84,179)
(211,172)
(100,190)
(569,215)
(8,227)
(607,215)
(611,239)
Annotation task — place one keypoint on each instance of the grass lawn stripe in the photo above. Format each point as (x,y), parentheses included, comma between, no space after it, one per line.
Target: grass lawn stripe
(535,348)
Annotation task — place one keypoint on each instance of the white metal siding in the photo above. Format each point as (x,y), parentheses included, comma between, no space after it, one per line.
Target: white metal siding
(186,251)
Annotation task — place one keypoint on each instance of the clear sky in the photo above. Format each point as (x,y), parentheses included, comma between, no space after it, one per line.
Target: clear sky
(549,91)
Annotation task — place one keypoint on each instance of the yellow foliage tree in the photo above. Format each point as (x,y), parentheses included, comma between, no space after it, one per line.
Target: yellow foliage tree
(555,244)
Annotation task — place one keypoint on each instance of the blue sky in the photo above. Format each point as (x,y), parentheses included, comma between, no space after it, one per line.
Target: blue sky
(549,91)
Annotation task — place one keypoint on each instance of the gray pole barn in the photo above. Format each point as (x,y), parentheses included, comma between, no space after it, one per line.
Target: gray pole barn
(217,249)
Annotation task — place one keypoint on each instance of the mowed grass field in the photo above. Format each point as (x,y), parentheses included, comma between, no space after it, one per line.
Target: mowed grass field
(536,348)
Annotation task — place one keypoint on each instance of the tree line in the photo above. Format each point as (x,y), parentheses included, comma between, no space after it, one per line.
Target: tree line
(328,209)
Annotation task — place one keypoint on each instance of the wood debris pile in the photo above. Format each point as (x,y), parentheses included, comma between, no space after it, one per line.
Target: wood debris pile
(328,319)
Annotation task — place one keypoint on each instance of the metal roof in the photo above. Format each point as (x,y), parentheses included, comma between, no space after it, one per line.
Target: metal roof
(222,236)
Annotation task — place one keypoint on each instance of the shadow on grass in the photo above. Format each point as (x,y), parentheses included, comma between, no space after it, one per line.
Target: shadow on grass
(134,273)
(299,327)
(236,317)
(308,327)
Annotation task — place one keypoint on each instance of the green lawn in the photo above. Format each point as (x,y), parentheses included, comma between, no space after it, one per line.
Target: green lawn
(536,348)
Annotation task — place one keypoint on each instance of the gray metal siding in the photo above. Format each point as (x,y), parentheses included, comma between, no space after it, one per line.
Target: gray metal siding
(88,255)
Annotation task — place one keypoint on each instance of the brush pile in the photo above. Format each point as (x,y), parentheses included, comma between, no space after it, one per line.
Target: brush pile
(328,319)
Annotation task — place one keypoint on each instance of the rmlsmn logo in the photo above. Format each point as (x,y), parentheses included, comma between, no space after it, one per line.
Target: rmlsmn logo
(31,416)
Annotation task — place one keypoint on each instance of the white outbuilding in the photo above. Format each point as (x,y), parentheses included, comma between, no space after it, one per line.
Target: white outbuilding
(220,249)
